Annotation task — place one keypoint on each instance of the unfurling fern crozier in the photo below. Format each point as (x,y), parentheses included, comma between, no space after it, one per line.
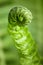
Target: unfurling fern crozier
(19,18)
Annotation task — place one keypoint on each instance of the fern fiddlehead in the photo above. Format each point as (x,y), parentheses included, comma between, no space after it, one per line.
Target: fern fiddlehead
(18,18)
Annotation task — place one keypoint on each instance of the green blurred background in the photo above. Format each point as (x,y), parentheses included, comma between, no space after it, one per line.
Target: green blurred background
(8,52)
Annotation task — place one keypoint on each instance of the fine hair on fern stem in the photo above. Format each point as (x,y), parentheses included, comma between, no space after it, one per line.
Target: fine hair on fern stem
(18,20)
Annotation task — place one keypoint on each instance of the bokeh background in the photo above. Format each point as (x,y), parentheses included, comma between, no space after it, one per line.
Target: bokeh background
(8,52)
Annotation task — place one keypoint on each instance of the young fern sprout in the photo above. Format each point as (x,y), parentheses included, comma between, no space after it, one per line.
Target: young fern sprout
(19,18)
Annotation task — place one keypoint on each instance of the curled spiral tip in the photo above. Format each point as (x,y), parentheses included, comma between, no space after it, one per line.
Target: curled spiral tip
(19,15)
